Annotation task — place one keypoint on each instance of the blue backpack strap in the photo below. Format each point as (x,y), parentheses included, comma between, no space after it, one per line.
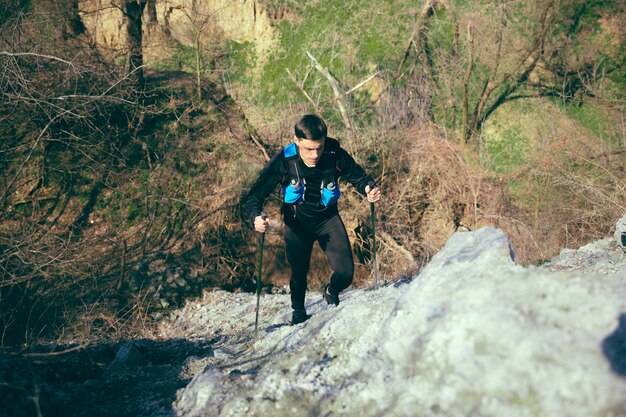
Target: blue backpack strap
(293,195)
(290,150)
(331,152)
(291,153)
(330,192)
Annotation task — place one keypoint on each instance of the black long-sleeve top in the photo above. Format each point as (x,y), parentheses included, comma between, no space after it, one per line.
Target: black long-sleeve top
(310,211)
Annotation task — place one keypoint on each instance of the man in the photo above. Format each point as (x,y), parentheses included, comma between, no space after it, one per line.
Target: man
(307,170)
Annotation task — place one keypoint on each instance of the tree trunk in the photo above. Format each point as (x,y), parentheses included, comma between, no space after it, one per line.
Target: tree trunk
(416,37)
(508,83)
(133,10)
(465,131)
(198,66)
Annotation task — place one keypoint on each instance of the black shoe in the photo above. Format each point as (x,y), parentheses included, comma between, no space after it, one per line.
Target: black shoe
(299,316)
(329,296)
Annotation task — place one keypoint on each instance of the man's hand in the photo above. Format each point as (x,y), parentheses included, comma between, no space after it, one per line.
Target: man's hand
(260,224)
(373,194)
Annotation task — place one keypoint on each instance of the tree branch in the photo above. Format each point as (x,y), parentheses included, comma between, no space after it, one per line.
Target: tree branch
(301,87)
(32,149)
(334,85)
(362,83)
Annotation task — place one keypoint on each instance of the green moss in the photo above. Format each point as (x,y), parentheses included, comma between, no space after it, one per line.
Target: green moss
(135,212)
(82,195)
(183,58)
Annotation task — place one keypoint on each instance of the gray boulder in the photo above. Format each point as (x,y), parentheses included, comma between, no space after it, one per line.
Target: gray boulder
(473,334)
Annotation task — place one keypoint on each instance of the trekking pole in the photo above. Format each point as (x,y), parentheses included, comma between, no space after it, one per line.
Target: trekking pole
(372,186)
(258,281)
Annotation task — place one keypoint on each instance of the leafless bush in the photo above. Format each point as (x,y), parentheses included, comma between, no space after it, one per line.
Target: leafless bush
(64,117)
(432,188)
(582,189)
(113,200)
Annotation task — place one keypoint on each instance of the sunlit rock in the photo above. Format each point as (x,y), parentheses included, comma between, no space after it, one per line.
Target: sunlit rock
(473,334)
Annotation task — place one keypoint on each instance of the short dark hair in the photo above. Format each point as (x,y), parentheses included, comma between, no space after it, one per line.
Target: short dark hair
(311,126)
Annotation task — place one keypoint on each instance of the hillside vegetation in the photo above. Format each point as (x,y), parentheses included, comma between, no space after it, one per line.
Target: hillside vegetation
(123,172)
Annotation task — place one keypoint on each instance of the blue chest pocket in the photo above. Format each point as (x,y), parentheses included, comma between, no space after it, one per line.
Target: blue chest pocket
(330,194)
(293,193)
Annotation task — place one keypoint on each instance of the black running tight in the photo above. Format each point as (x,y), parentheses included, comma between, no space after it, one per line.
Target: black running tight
(333,239)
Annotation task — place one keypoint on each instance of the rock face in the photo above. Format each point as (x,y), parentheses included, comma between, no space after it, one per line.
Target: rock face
(180,21)
(473,334)
(605,256)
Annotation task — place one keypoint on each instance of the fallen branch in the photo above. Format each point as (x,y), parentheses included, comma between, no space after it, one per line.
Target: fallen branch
(32,54)
(389,241)
(44,354)
(334,85)
(362,83)
(257,143)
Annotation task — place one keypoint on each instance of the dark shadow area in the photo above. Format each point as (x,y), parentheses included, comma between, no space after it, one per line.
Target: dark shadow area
(154,76)
(614,347)
(130,378)
(275,327)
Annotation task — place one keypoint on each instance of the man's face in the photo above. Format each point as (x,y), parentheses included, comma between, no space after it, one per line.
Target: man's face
(310,150)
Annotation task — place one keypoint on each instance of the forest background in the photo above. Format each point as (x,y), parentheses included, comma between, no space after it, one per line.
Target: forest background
(131,130)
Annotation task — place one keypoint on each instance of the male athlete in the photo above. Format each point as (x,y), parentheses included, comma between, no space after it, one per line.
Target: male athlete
(308,170)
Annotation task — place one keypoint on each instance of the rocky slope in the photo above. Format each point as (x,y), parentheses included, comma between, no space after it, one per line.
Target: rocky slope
(473,334)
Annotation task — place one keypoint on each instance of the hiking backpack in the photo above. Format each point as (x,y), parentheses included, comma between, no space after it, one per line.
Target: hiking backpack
(294,189)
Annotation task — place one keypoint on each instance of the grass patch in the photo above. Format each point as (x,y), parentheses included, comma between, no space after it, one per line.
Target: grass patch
(349,39)
(597,120)
(182,58)
(240,59)
(508,152)
(507,139)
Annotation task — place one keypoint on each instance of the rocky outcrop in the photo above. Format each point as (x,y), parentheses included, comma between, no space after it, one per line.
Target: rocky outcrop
(473,334)
(605,256)
(166,22)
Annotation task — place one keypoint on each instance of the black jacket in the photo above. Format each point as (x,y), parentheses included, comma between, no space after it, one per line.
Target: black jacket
(310,211)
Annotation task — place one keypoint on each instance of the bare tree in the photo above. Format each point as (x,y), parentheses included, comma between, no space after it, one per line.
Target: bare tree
(504,78)
(506,43)
(92,188)
(64,119)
